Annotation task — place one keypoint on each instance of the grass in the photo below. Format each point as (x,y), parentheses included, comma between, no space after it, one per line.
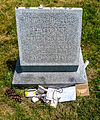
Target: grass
(84,108)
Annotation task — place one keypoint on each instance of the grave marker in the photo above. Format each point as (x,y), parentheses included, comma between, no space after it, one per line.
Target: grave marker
(49,46)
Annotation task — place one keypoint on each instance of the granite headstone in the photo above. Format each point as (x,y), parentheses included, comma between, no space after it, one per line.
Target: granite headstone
(49,46)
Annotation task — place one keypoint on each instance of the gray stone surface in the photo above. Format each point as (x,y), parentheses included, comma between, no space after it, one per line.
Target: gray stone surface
(49,36)
(50,78)
(49,47)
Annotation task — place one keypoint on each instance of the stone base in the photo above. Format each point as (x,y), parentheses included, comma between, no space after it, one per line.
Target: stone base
(50,78)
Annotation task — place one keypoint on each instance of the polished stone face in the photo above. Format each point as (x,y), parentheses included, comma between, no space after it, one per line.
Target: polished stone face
(49,36)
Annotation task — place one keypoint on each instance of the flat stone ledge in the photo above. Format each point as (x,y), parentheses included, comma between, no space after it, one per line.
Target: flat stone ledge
(50,78)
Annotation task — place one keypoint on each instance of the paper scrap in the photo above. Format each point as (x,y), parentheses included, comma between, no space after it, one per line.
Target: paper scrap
(63,94)
(52,94)
(68,94)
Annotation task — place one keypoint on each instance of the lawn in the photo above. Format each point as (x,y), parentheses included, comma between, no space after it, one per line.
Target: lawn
(84,108)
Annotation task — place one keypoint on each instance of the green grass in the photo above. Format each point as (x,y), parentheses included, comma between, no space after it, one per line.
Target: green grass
(84,108)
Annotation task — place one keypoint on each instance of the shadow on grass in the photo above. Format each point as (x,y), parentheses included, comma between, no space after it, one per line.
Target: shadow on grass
(11,64)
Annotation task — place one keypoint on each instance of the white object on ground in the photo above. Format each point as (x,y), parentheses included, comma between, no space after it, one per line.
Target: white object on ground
(35,99)
(68,94)
(41,6)
(61,95)
(53,94)
(30,92)
(86,63)
(54,103)
(42,88)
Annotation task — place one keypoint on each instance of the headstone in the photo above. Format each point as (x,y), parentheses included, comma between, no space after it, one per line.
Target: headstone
(49,46)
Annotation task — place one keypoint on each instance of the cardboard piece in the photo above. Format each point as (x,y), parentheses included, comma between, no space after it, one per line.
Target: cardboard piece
(82,90)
